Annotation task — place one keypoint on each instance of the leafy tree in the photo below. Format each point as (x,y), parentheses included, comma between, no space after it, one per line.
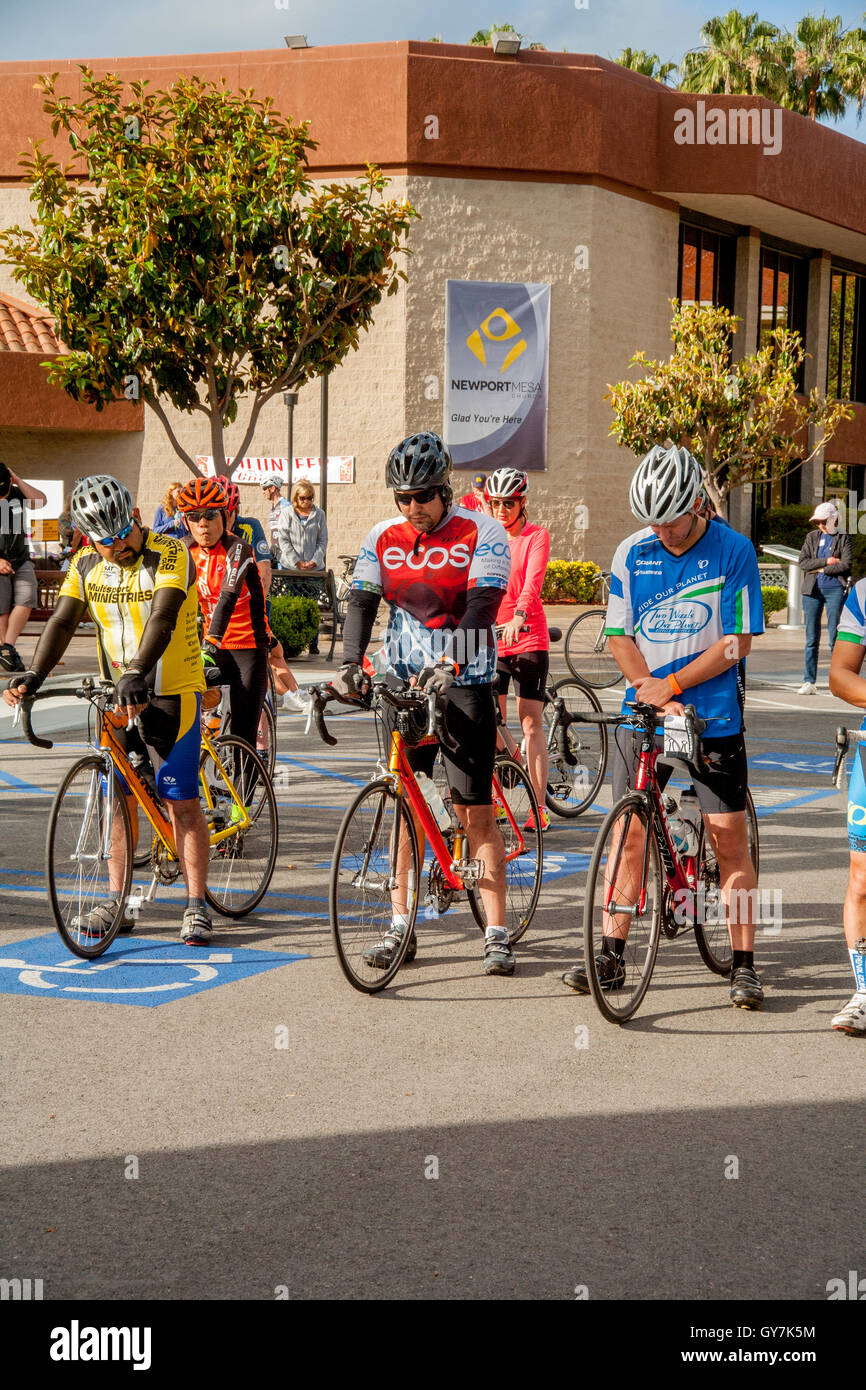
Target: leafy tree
(740,55)
(195,264)
(481,37)
(742,420)
(650,64)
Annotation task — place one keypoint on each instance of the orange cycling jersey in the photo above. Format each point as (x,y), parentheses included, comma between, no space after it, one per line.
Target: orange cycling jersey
(231,594)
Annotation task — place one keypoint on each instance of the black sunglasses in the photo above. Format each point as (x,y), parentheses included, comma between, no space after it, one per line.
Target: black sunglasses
(404,499)
(208,514)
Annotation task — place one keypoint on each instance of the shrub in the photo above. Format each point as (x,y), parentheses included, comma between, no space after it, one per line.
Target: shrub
(774,598)
(294,622)
(570,579)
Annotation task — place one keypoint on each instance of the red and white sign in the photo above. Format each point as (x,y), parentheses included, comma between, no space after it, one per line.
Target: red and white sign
(248,470)
(341,469)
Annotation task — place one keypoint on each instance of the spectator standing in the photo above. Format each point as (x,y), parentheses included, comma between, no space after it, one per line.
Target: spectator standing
(476,500)
(271,486)
(302,533)
(166,519)
(825,560)
(17,575)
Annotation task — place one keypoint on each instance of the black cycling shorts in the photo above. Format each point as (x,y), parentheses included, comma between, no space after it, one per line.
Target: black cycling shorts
(170,742)
(245,672)
(470,718)
(722,789)
(529,671)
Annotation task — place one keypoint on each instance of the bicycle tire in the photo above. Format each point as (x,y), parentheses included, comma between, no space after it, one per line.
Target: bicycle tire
(639,956)
(581,741)
(713,939)
(243,863)
(586,651)
(522,889)
(66,903)
(353,932)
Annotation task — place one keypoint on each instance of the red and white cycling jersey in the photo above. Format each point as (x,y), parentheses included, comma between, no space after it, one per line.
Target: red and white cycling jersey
(425,579)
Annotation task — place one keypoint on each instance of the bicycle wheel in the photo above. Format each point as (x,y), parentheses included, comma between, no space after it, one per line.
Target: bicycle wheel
(376,870)
(633,885)
(266,738)
(572,787)
(523,866)
(240,865)
(586,651)
(87,824)
(711,925)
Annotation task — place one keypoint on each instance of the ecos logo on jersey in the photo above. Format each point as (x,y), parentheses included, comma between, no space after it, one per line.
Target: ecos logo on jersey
(676,620)
(434,558)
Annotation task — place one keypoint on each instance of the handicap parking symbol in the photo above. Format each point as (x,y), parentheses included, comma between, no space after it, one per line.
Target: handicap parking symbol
(144,971)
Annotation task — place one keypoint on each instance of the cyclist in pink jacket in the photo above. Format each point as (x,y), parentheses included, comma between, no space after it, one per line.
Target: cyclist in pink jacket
(524,646)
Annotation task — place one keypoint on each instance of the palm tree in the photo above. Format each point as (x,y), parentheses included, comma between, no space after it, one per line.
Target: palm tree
(740,55)
(650,64)
(825,63)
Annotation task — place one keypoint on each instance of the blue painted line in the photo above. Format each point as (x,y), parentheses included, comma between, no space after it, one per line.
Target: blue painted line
(314,767)
(761,811)
(16,784)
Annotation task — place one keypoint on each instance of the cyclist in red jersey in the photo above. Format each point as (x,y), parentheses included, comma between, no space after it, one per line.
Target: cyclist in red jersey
(524,646)
(232,600)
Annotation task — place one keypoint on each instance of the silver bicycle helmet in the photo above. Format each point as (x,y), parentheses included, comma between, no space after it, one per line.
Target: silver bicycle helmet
(506,483)
(419,462)
(100,506)
(665,485)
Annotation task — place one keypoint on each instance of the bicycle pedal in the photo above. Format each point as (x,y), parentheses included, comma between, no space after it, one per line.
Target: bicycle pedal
(470,870)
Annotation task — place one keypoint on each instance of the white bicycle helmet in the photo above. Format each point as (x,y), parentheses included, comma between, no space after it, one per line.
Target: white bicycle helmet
(506,483)
(100,506)
(665,485)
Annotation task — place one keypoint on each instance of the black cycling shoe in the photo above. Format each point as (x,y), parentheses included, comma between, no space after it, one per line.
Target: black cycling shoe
(9,658)
(746,990)
(611,974)
(379,957)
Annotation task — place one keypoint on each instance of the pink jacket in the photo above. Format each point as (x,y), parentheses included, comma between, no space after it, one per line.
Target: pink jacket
(529,555)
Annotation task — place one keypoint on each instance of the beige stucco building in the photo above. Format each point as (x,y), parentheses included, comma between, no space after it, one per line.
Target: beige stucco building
(554,168)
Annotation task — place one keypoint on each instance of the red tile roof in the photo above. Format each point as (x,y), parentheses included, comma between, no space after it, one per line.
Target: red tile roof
(24,328)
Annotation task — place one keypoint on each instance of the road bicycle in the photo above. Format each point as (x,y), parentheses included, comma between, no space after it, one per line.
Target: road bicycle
(577,764)
(656,887)
(378,863)
(343,586)
(587,655)
(90,829)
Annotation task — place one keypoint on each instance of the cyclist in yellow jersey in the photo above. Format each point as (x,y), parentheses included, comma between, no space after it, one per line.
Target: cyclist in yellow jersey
(139,588)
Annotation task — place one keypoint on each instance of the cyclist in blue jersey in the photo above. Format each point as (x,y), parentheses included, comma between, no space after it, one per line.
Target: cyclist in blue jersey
(847,682)
(685,599)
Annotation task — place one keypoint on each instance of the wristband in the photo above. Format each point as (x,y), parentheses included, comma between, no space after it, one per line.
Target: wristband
(674,684)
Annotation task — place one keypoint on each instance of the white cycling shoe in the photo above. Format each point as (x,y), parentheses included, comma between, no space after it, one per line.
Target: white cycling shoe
(852,1019)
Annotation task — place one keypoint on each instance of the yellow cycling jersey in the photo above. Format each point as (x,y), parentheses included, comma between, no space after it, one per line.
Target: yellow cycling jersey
(120,599)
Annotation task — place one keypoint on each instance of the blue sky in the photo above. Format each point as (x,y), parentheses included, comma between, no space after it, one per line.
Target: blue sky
(43,30)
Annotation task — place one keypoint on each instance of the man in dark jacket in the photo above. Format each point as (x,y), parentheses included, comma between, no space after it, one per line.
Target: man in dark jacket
(825,560)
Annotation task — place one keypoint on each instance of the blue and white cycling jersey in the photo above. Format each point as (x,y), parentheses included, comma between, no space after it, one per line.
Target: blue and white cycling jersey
(852,628)
(676,606)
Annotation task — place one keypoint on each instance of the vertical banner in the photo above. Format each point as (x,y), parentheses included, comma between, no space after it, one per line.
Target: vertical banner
(496,356)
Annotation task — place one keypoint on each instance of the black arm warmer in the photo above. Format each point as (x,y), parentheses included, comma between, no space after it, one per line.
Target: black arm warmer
(358,627)
(482,605)
(57,634)
(241,569)
(167,604)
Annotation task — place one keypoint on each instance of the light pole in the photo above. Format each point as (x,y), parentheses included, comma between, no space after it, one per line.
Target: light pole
(323,446)
(291,400)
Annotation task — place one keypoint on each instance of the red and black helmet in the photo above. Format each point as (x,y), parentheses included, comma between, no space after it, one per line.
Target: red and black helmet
(202,493)
(233,494)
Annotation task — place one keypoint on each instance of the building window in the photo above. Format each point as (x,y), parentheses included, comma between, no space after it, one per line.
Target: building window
(784,282)
(706,267)
(846,358)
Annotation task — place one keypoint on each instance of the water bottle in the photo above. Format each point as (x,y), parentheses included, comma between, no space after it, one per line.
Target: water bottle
(690,814)
(431,795)
(679,829)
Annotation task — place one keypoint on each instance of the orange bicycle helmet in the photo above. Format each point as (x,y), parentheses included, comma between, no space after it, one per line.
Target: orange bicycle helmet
(202,493)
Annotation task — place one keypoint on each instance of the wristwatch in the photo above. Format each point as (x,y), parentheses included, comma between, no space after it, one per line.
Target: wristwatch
(519,613)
